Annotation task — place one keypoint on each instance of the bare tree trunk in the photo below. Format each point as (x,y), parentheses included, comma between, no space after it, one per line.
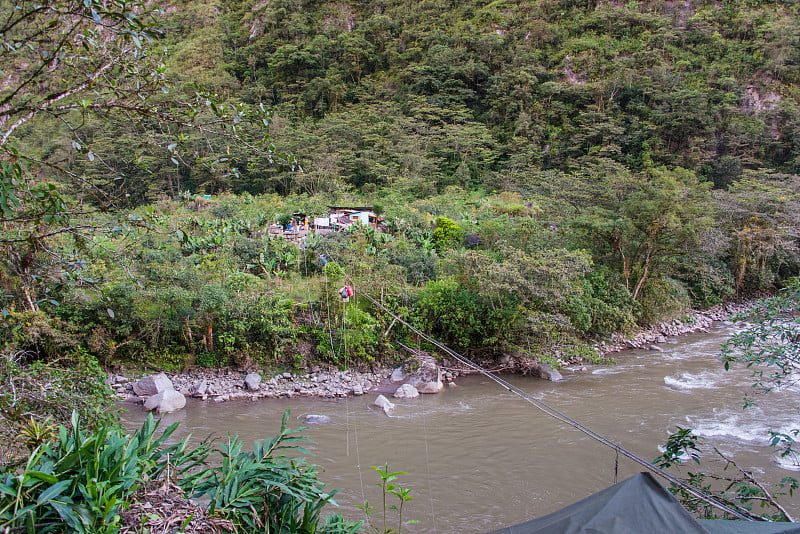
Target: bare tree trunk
(29,299)
(645,272)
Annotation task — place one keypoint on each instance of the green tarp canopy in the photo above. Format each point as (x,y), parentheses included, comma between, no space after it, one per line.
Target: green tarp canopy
(637,505)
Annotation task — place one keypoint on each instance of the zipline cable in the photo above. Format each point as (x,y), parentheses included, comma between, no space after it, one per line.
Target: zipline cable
(552,412)
(346,401)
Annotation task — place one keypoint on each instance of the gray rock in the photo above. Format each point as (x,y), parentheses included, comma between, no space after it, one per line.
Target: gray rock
(165,402)
(385,404)
(358,390)
(397,375)
(426,375)
(406,391)
(543,370)
(655,348)
(311,419)
(252,382)
(152,385)
(199,389)
(287,375)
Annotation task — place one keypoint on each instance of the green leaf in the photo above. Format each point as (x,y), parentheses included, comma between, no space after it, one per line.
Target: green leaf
(53,491)
(44,477)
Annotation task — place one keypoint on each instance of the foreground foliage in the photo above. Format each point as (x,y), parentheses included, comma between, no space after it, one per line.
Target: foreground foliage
(80,482)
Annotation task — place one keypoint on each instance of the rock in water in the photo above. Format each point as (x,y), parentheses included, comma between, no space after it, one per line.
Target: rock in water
(427,376)
(384,403)
(252,382)
(152,384)
(165,402)
(543,370)
(656,348)
(406,391)
(311,419)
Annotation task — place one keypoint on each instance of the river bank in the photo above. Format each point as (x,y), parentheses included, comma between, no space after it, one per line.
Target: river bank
(220,385)
(697,320)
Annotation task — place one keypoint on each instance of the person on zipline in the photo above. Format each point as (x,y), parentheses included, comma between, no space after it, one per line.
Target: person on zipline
(346,292)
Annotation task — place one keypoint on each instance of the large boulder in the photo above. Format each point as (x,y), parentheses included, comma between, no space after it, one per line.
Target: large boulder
(543,370)
(252,382)
(165,402)
(385,404)
(424,373)
(152,385)
(406,391)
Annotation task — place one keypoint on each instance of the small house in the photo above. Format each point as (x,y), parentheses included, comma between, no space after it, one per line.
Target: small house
(340,217)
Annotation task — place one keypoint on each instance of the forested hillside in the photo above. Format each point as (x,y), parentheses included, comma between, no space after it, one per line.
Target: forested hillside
(550,172)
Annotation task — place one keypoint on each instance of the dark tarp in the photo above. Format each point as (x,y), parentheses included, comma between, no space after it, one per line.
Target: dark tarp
(636,505)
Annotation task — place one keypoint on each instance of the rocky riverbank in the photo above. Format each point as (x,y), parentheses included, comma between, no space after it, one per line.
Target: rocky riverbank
(219,385)
(693,322)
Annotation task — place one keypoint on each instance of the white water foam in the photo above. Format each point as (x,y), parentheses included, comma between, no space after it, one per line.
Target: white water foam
(617,369)
(751,426)
(789,462)
(608,371)
(689,381)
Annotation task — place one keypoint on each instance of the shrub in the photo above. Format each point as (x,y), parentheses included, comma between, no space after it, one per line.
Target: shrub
(36,332)
(447,234)
(421,264)
(51,390)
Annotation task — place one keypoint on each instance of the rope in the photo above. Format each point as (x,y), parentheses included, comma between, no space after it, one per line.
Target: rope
(428,463)
(346,399)
(552,412)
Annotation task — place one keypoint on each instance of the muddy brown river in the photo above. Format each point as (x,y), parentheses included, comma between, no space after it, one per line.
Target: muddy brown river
(478,458)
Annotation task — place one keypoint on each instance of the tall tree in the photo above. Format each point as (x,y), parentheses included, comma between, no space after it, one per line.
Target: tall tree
(643,222)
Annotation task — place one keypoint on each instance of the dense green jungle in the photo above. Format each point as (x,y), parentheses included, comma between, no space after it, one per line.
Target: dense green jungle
(549,173)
